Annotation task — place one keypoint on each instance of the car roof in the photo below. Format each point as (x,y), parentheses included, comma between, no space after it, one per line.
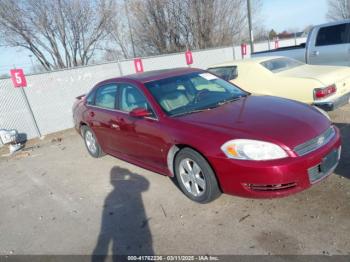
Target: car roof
(333,23)
(155,75)
(253,60)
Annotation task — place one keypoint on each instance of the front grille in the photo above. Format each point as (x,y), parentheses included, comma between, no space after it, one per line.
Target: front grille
(277,187)
(315,143)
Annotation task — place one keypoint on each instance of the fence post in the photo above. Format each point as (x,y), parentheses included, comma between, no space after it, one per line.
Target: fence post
(119,67)
(27,104)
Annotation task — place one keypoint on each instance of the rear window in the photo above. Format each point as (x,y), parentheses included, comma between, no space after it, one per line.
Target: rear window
(280,64)
(225,72)
(332,35)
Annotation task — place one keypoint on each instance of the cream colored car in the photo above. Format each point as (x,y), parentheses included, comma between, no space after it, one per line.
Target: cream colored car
(327,87)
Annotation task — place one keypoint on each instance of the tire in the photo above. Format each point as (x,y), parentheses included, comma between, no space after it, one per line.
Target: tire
(199,185)
(92,146)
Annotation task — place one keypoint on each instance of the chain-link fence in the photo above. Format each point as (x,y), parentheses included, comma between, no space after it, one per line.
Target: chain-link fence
(51,95)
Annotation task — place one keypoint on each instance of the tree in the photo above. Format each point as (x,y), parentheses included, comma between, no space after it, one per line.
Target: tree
(4,75)
(119,42)
(60,33)
(159,26)
(218,23)
(307,29)
(338,10)
(164,26)
(272,34)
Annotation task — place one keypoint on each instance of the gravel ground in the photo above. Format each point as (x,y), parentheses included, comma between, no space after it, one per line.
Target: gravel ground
(56,199)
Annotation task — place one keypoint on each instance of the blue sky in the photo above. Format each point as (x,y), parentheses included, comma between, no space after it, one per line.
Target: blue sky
(277,14)
(10,57)
(293,14)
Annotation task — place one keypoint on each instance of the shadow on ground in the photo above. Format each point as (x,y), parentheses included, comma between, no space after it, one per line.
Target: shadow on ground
(343,168)
(124,226)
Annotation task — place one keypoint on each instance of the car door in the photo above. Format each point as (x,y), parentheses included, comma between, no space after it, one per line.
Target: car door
(331,46)
(101,113)
(139,138)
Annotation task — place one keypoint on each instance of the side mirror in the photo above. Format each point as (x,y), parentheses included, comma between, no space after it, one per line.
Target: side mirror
(140,112)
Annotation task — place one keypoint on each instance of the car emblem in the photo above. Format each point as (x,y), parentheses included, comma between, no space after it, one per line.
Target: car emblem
(320,140)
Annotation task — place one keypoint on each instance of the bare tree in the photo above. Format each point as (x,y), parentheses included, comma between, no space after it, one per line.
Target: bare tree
(118,42)
(158,25)
(61,33)
(163,26)
(338,10)
(4,75)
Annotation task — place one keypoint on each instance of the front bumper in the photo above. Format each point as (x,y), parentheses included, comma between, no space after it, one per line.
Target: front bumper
(270,179)
(334,104)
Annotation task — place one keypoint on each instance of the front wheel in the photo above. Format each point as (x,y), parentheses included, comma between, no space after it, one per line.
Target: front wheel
(195,176)
(91,143)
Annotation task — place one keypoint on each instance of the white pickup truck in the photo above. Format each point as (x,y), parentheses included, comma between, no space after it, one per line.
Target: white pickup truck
(327,44)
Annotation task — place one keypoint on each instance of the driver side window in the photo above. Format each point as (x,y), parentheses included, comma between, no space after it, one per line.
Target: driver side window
(131,98)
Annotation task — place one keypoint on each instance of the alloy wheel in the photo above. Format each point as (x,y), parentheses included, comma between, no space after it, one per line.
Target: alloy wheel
(192,177)
(90,142)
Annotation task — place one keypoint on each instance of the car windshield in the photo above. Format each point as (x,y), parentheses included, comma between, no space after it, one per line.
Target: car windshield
(225,72)
(193,92)
(280,64)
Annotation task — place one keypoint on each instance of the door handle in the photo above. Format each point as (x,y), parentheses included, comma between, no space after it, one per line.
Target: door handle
(115,126)
(91,113)
(315,53)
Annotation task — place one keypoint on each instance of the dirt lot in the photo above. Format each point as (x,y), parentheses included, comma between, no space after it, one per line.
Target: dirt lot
(56,199)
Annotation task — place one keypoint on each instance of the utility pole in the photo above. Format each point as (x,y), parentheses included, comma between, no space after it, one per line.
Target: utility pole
(31,61)
(130,32)
(251,36)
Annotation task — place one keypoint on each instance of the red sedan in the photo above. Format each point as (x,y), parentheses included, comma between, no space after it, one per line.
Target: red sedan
(208,134)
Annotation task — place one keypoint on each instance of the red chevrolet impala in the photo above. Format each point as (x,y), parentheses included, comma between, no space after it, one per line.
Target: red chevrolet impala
(208,134)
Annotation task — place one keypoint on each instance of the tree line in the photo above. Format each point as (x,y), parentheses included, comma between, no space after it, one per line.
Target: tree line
(69,33)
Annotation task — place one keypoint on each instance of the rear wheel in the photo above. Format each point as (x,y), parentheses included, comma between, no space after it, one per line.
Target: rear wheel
(195,177)
(91,143)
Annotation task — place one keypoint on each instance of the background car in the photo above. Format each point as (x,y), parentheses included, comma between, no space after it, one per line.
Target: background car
(327,87)
(210,135)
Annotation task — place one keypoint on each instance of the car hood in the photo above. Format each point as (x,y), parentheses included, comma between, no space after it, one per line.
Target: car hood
(327,75)
(267,118)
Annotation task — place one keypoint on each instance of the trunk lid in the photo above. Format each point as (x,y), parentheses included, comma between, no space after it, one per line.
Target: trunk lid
(326,75)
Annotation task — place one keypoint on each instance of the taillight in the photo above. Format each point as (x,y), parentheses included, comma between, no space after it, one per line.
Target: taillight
(320,93)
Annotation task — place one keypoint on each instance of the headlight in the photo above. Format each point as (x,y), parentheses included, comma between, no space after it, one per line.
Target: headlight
(247,149)
(323,112)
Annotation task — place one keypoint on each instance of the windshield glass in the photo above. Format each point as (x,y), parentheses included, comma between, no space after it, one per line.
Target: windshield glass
(225,72)
(280,64)
(193,92)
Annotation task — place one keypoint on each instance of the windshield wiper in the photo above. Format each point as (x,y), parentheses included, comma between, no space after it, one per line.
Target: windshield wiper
(229,100)
(212,106)
(196,110)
